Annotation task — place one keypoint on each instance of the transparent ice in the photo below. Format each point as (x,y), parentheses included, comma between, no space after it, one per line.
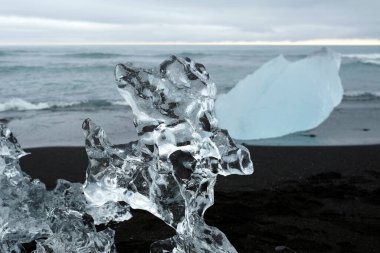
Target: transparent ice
(56,221)
(282,97)
(172,169)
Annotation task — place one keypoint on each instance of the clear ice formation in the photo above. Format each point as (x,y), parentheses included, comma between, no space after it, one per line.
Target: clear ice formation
(172,169)
(282,97)
(55,220)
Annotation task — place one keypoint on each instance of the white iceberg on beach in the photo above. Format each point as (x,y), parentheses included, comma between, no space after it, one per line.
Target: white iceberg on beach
(282,97)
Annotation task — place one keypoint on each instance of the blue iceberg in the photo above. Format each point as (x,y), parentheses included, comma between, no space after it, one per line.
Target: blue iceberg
(282,97)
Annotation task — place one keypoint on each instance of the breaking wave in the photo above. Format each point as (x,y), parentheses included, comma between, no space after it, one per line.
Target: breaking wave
(18,104)
(363,58)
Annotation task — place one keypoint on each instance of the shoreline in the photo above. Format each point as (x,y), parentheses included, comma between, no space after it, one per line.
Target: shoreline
(303,199)
(347,125)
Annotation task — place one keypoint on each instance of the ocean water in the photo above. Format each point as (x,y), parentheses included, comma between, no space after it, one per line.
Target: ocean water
(46,92)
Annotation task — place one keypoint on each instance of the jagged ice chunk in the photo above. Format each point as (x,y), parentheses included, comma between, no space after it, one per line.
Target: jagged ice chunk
(172,169)
(55,220)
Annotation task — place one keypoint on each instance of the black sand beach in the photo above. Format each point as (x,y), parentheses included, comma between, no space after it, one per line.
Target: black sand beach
(300,199)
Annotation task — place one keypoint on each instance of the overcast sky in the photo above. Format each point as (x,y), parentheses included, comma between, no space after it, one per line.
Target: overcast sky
(124,21)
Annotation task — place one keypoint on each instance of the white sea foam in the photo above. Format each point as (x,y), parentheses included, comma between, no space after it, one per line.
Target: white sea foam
(119,103)
(21,105)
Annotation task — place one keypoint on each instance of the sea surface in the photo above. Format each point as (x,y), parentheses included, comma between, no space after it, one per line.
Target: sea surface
(46,92)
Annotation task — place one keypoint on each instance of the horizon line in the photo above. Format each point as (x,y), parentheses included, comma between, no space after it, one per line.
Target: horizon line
(316,42)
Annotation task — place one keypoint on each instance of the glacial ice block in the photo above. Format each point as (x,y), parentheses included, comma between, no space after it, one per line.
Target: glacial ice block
(172,168)
(282,97)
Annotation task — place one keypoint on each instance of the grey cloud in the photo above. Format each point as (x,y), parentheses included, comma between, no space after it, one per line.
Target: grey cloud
(192,21)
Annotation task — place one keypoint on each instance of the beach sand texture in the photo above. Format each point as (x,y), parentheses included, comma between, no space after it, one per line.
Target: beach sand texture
(299,199)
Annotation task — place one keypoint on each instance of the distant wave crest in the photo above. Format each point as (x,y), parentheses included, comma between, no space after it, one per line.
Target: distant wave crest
(363,58)
(18,104)
(94,55)
(193,54)
(361,96)
(2,53)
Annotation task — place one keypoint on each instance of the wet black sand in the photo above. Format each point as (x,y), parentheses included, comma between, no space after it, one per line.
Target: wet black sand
(300,199)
